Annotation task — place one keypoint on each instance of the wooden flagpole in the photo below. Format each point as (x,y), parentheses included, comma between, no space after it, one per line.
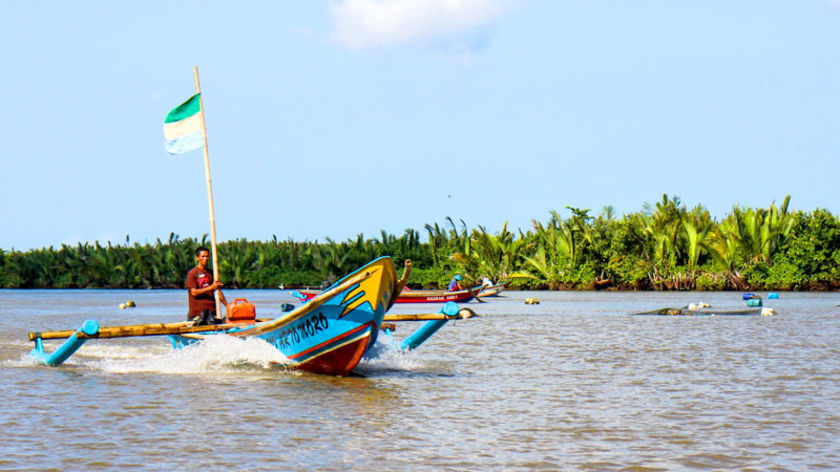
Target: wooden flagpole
(209,191)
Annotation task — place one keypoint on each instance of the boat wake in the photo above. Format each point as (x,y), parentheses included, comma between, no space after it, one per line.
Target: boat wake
(214,354)
(219,354)
(386,355)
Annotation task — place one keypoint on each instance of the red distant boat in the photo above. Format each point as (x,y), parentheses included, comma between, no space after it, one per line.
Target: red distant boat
(412,296)
(436,296)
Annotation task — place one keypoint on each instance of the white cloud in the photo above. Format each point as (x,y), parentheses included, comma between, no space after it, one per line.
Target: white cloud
(366,23)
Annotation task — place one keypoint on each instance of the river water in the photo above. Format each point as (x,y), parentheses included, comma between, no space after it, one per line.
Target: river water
(572,383)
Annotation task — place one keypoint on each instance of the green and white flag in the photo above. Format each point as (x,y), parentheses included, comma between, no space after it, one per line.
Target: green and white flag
(182,127)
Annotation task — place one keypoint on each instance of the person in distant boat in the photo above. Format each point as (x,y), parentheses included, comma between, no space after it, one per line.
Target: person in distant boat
(200,287)
(455,283)
(485,282)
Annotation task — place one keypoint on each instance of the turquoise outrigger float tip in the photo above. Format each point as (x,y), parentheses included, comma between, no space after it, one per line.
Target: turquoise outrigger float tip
(73,343)
(450,310)
(329,334)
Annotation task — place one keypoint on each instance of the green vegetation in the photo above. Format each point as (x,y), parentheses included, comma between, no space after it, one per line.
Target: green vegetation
(665,246)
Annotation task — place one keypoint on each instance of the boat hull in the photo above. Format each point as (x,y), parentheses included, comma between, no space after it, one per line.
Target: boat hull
(435,296)
(331,333)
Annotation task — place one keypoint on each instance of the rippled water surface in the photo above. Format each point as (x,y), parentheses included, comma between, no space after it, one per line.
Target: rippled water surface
(573,383)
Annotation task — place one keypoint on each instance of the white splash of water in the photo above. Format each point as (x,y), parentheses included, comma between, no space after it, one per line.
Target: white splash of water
(25,360)
(99,350)
(91,350)
(387,355)
(214,354)
(218,354)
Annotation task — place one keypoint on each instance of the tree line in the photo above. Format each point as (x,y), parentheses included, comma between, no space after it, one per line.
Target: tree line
(664,246)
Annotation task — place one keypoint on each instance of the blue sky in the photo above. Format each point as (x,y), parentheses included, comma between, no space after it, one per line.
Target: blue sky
(334,118)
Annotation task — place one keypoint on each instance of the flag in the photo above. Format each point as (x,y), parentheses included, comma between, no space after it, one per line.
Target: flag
(182,127)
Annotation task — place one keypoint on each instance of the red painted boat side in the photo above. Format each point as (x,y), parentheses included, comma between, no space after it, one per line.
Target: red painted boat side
(416,296)
(333,340)
(339,361)
(307,294)
(409,296)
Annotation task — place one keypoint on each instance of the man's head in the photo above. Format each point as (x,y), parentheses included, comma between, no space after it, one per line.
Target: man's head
(202,256)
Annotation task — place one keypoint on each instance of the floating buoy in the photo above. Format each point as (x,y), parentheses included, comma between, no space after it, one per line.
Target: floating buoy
(754,302)
(747,296)
(772,296)
(768,312)
(532,301)
(130,304)
(122,306)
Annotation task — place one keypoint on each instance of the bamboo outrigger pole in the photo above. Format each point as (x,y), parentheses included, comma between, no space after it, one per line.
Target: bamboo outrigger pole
(209,191)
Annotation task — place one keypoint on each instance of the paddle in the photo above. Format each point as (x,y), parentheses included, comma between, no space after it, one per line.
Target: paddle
(475,295)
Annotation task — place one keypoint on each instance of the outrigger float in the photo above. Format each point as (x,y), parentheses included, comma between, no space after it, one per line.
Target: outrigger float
(329,334)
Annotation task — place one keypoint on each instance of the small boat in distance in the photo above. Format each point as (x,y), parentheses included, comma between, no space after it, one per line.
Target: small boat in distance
(411,296)
(490,290)
(707,312)
(436,296)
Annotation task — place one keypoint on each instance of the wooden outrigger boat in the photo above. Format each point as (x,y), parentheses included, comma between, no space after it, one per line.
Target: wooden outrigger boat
(329,334)
(412,296)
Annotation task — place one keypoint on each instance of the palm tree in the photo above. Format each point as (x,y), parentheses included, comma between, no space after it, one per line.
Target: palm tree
(493,256)
(559,246)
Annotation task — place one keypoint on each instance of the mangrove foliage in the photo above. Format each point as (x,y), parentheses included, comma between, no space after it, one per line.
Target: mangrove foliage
(664,246)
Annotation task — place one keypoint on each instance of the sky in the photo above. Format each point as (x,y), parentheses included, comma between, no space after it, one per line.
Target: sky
(329,119)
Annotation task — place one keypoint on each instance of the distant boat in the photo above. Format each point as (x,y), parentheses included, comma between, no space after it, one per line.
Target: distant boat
(490,290)
(411,296)
(702,312)
(436,296)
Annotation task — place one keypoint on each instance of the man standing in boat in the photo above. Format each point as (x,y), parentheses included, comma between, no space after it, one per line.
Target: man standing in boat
(200,287)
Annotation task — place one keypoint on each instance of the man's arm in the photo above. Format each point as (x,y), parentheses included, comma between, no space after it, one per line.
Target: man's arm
(200,291)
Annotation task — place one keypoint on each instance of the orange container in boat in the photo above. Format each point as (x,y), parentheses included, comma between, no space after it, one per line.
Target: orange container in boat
(241,311)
